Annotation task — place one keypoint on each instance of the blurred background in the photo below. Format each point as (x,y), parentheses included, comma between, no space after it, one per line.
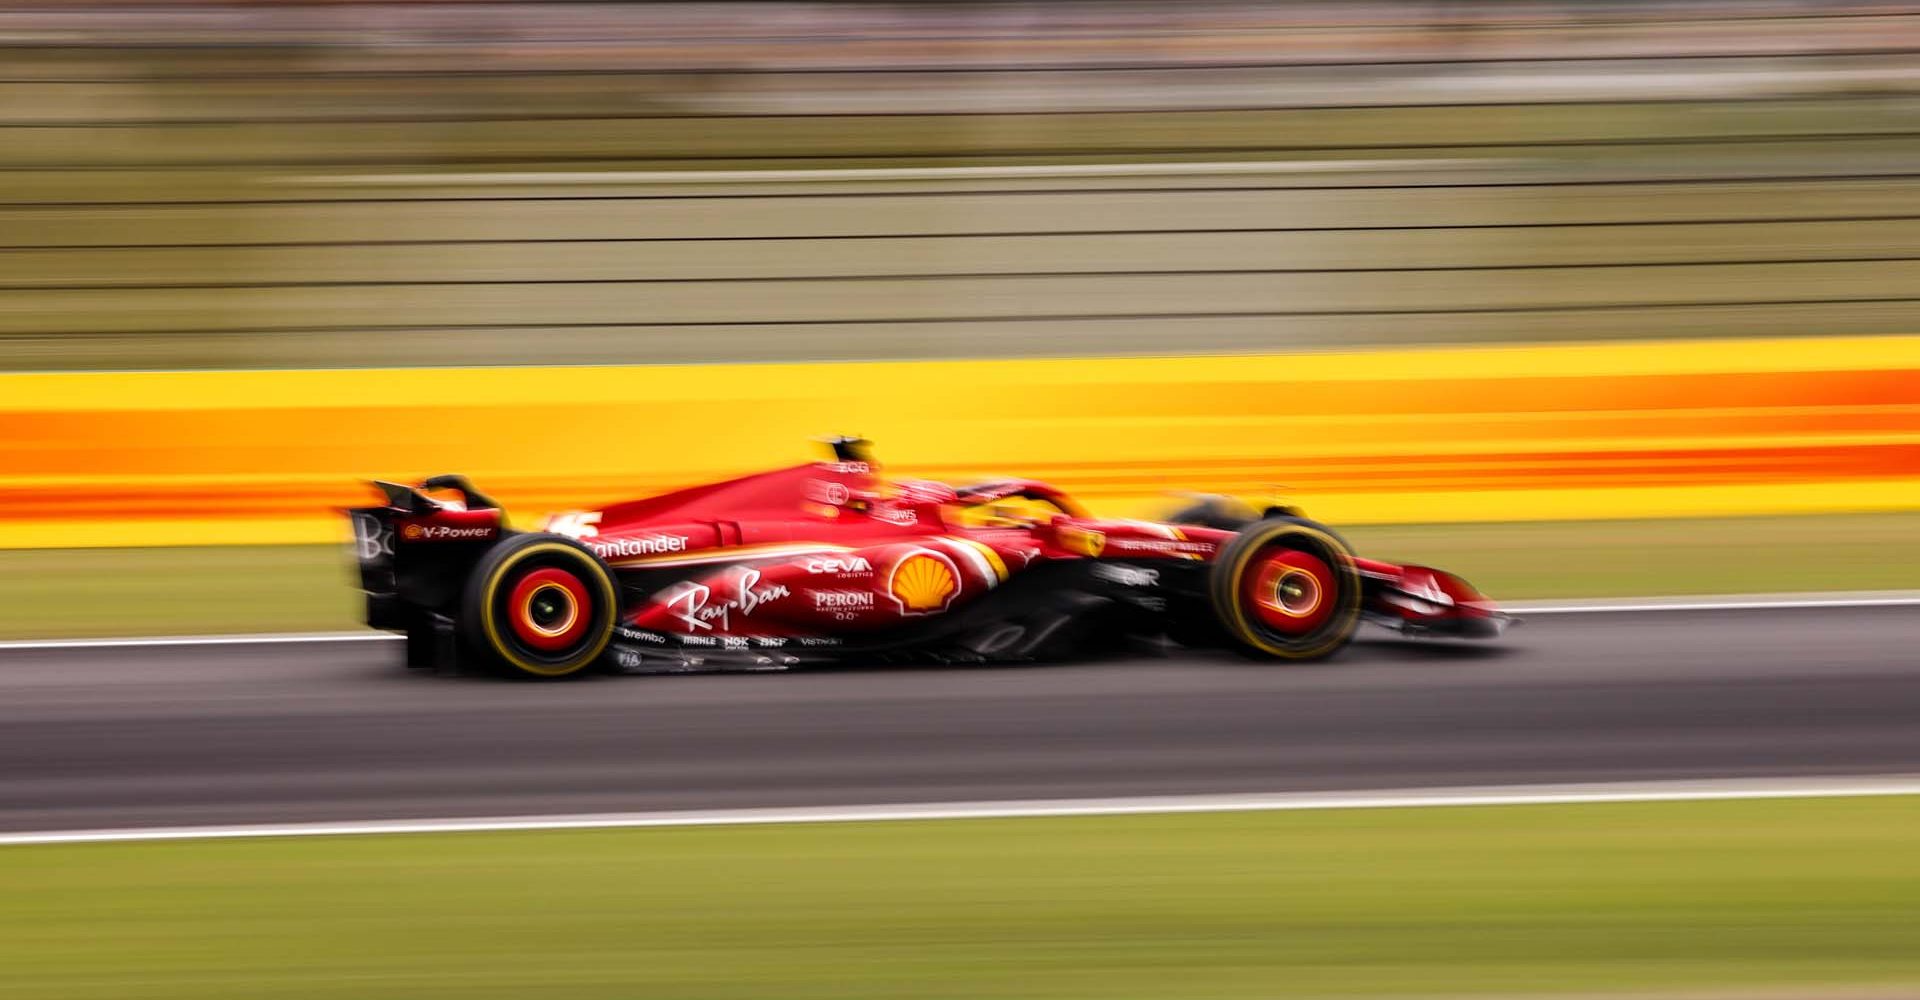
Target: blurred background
(274,185)
(1552,262)
(1580,299)
(271,187)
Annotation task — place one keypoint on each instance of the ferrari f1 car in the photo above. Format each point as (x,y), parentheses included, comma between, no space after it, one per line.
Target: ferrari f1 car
(828,561)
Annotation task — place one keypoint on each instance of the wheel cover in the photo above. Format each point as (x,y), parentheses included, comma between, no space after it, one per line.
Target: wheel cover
(1290,592)
(549,609)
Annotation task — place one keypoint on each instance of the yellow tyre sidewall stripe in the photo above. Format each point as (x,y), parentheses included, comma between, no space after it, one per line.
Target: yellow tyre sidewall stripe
(1227,603)
(489,625)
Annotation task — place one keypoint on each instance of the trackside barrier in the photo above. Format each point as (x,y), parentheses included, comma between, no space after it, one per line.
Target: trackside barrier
(1660,428)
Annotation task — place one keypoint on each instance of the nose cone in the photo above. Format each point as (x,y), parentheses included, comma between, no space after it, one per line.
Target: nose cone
(1435,601)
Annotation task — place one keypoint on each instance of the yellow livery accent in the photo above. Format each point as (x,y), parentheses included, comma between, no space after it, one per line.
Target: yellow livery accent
(992,557)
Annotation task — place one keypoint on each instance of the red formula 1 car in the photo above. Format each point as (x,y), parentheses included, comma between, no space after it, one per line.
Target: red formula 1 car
(827,561)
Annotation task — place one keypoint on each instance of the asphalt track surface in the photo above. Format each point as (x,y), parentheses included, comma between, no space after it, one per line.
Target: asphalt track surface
(186,735)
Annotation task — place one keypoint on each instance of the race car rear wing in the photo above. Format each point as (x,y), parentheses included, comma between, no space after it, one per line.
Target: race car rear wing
(405,497)
(412,550)
(473,498)
(413,501)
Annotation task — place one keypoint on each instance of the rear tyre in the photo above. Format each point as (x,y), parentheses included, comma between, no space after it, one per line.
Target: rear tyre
(539,605)
(1286,589)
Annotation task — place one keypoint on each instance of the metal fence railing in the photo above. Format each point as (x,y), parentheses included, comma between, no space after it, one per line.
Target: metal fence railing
(240,185)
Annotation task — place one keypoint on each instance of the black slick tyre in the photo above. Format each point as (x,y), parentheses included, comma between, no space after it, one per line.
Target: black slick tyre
(540,606)
(1286,589)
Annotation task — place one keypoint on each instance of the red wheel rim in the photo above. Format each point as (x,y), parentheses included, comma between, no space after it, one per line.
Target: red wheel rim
(549,609)
(1291,592)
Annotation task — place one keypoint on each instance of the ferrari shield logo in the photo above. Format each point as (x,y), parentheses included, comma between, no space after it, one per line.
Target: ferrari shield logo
(1082,540)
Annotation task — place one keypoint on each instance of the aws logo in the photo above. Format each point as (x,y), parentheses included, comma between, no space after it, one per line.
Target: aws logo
(923,583)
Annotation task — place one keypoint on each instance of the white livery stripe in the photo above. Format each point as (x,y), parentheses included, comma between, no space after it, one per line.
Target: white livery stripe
(716,556)
(971,556)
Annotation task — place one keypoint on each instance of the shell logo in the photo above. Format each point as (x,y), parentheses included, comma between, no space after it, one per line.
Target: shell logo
(923,583)
(412,532)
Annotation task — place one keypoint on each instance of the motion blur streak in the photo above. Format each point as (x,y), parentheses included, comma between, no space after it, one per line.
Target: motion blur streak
(1412,798)
(1585,301)
(1486,433)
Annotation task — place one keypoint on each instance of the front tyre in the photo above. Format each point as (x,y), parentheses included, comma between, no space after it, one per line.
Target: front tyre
(540,605)
(1286,589)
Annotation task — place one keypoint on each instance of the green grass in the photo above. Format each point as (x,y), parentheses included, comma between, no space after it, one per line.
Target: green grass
(1811,894)
(1546,559)
(82,592)
(176,591)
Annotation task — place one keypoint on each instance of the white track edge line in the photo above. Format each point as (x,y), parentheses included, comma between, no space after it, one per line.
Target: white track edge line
(1721,602)
(233,639)
(1516,795)
(1703,602)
